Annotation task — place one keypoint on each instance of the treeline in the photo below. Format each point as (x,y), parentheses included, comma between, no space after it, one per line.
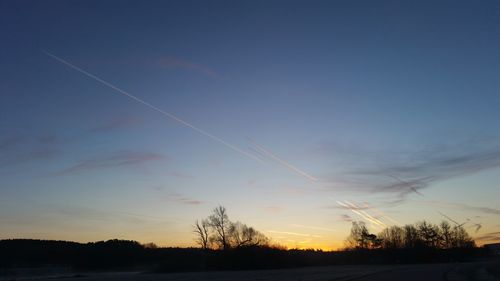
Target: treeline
(410,236)
(130,255)
(102,254)
(229,245)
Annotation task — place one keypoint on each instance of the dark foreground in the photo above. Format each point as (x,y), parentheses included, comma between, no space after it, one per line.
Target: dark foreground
(486,270)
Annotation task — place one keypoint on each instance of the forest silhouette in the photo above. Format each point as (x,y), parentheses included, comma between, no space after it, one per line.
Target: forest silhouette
(227,245)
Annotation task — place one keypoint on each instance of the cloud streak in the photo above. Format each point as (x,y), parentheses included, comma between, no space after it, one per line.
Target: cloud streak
(88,213)
(18,149)
(461,206)
(181,175)
(345,218)
(115,125)
(117,159)
(492,236)
(177,198)
(172,62)
(295,234)
(313,227)
(406,172)
(10,141)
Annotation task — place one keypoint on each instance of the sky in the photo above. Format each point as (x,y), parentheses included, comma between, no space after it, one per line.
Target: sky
(133,119)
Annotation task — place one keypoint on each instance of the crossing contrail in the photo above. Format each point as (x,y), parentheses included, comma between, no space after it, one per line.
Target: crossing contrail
(355,209)
(169,115)
(380,213)
(407,184)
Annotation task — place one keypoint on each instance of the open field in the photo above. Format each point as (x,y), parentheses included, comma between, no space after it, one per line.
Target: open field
(429,272)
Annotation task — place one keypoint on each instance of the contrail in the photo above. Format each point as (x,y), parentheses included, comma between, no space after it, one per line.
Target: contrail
(281,161)
(169,115)
(477,226)
(366,214)
(450,219)
(355,209)
(382,214)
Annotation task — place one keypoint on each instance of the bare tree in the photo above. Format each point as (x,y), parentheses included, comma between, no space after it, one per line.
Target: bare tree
(429,234)
(203,233)
(219,232)
(411,236)
(361,238)
(446,235)
(240,235)
(355,238)
(460,238)
(392,237)
(219,221)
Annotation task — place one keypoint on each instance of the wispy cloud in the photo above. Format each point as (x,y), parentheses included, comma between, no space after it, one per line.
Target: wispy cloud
(345,218)
(492,236)
(173,62)
(461,206)
(96,214)
(409,172)
(295,233)
(177,198)
(116,124)
(8,142)
(116,159)
(312,227)
(16,148)
(181,175)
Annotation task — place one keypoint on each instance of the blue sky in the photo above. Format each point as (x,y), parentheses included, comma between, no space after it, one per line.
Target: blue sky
(390,106)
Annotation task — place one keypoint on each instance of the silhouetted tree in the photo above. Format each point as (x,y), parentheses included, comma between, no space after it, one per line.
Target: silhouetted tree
(460,238)
(219,232)
(411,236)
(446,235)
(243,236)
(202,233)
(361,238)
(429,234)
(424,234)
(221,225)
(392,237)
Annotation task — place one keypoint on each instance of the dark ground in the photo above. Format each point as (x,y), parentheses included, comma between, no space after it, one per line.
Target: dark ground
(478,271)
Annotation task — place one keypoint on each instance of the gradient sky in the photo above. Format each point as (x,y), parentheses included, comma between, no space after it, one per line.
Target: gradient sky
(382,111)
